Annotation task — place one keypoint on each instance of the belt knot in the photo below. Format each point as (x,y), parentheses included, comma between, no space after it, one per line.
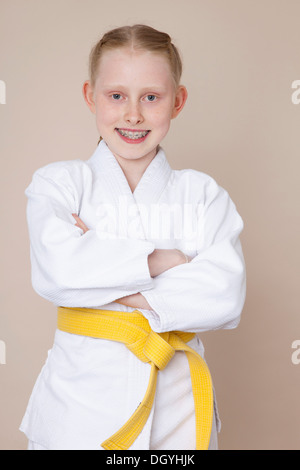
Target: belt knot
(158,350)
(153,347)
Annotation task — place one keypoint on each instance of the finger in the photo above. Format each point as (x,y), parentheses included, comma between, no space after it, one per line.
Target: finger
(80,223)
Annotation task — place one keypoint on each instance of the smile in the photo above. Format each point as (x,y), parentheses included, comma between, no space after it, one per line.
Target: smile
(133,134)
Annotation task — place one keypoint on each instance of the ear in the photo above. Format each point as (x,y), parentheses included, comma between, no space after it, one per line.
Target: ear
(180,99)
(88,94)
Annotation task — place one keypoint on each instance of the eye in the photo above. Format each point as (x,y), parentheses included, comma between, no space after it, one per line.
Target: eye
(151,98)
(116,96)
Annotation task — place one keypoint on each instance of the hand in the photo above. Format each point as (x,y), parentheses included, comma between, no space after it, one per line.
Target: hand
(134,301)
(185,258)
(161,260)
(79,223)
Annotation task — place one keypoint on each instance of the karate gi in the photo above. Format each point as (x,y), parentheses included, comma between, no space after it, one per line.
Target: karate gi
(88,388)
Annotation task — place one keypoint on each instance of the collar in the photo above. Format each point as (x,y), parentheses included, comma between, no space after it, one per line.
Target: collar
(151,184)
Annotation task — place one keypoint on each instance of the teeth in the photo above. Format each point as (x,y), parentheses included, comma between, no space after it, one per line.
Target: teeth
(133,135)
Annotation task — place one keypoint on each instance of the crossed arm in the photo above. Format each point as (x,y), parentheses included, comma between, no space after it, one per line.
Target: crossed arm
(158,261)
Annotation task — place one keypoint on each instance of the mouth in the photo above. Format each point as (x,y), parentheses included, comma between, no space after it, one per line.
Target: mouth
(132,135)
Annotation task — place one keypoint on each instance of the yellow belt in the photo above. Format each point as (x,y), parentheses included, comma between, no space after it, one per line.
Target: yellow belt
(132,329)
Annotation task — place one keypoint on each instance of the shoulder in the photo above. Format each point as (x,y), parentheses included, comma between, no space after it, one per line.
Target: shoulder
(65,173)
(198,184)
(61,168)
(61,181)
(203,190)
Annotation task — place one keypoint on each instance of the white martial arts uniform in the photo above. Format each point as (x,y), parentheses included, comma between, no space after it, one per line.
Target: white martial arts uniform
(89,387)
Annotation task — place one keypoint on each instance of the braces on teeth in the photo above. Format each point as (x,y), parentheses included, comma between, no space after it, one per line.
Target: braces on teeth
(133,135)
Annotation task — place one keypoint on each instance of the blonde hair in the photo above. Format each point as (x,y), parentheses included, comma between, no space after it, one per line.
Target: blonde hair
(139,37)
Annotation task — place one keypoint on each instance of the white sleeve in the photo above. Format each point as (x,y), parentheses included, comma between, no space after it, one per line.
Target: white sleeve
(209,292)
(70,268)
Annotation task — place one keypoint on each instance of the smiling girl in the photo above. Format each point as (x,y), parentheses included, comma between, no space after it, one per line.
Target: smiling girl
(138,259)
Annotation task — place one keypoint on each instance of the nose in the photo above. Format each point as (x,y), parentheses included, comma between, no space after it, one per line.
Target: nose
(133,114)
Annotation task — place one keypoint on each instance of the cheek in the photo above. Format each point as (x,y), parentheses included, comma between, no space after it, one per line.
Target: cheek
(162,117)
(105,114)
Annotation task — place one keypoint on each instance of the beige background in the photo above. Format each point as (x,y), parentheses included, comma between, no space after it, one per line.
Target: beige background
(239,125)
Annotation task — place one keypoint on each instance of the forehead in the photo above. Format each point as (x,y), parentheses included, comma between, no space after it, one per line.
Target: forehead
(133,66)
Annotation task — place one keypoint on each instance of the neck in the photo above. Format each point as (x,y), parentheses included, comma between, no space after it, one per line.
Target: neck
(134,169)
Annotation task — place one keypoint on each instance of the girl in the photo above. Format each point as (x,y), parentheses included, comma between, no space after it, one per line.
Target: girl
(138,258)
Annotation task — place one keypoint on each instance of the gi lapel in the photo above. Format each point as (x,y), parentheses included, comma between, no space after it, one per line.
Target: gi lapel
(129,213)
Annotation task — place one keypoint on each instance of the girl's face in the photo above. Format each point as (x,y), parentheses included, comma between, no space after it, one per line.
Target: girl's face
(134,100)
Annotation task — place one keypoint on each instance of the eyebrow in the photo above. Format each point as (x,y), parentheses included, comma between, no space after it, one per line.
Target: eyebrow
(117,86)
